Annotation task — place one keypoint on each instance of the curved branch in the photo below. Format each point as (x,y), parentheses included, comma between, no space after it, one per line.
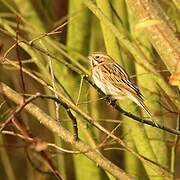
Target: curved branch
(108,100)
(53,126)
(92,154)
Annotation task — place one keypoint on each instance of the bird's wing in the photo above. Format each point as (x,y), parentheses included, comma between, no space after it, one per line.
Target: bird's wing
(115,74)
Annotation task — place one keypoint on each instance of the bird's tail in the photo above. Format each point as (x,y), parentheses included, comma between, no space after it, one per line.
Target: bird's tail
(144,107)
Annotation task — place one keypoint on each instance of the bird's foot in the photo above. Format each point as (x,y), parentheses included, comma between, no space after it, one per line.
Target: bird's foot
(111,100)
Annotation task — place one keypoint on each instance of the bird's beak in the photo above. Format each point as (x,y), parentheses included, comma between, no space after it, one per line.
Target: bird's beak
(90,57)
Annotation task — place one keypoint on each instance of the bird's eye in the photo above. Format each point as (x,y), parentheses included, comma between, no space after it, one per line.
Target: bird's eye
(97,57)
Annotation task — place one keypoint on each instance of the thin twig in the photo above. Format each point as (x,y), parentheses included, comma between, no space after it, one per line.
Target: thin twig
(72,117)
(51,166)
(80,89)
(107,137)
(53,83)
(18,55)
(18,110)
(38,95)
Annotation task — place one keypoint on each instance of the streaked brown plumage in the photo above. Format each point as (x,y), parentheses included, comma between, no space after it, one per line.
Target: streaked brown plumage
(113,80)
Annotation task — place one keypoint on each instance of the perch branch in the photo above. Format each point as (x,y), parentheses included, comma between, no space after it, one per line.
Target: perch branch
(92,154)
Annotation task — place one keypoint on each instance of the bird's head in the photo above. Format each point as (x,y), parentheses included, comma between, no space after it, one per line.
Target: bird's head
(98,58)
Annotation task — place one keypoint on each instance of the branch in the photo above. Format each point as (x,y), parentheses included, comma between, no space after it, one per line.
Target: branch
(92,154)
(108,100)
(53,126)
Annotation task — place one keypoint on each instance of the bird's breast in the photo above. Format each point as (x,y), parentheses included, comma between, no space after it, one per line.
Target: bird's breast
(98,80)
(106,85)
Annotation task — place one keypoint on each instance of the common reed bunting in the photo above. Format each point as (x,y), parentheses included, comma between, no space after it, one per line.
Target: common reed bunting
(113,80)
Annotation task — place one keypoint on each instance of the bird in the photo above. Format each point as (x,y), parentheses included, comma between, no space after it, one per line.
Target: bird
(114,81)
